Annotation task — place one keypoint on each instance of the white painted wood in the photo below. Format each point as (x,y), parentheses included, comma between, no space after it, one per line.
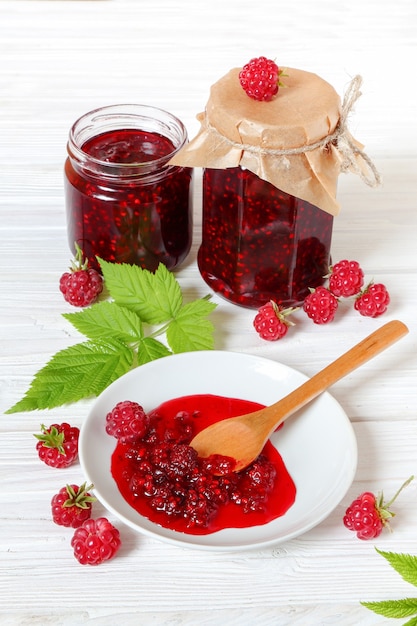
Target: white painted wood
(59,59)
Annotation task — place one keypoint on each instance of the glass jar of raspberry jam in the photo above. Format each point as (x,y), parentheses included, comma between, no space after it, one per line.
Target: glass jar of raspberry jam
(125,203)
(270,173)
(260,243)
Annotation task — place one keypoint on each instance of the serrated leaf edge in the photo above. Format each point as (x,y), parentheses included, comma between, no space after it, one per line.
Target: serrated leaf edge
(405,607)
(404,564)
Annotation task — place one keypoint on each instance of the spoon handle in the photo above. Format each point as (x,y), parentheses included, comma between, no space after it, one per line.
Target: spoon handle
(360,353)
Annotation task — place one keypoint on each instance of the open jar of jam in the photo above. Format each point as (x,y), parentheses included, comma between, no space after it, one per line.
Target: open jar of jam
(270,172)
(125,203)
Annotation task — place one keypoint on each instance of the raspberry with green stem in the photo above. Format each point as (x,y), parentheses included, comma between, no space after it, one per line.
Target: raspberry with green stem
(369,515)
(82,285)
(58,445)
(72,505)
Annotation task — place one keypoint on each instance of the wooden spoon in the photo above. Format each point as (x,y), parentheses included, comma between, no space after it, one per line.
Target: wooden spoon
(243,437)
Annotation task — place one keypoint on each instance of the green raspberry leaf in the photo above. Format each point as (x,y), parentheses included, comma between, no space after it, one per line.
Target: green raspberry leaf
(77,372)
(404,564)
(191,330)
(151,349)
(155,297)
(394,608)
(107,320)
(117,338)
(200,307)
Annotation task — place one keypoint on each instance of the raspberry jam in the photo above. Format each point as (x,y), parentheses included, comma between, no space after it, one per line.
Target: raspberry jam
(259,243)
(124,202)
(162,478)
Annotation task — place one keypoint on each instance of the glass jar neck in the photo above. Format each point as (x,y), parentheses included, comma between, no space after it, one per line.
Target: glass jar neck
(152,121)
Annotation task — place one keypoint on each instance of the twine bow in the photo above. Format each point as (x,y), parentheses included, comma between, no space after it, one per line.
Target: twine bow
(340,138)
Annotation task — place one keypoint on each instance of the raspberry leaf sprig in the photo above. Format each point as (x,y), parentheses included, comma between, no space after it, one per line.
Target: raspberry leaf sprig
(406,566)
(121,333)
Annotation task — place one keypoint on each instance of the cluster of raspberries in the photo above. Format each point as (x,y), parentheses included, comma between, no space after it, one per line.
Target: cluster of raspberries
(346,279)
(94,540)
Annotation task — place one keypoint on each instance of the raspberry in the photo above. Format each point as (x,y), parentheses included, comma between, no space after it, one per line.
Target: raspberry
(261,474)
(252,491)
(80,286)
(260,79)
(368,515)
(270,322)
(218,464)
(363,517)
(182,460)
(320,305)
(95,541)
(373,301)
(127,421)
(58,445)
(346,279)
(71,506)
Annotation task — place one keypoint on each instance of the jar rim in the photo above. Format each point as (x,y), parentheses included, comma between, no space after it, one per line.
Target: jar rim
(125,116)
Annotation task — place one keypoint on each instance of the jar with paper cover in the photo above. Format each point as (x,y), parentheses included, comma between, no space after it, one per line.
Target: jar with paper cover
(270,172)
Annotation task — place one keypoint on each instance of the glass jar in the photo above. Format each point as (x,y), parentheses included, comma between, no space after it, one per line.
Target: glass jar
(260,243)
(124,201)
(270,173)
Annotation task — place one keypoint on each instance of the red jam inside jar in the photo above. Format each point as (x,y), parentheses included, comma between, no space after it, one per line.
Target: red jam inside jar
(260,243)
(124,202)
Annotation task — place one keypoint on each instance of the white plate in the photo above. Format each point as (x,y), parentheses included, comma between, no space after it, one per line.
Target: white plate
(318,444)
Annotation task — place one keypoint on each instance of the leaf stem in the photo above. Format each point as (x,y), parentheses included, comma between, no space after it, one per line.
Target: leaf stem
(160,331)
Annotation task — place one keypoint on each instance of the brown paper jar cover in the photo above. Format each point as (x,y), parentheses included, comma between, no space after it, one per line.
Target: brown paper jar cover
(293,141)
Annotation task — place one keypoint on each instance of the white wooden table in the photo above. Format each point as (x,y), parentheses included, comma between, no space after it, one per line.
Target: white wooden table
(60,59)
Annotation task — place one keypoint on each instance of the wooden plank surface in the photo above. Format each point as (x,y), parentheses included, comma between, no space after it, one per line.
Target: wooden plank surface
(60,59)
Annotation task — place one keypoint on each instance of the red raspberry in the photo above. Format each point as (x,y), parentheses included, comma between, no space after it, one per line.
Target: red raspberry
(373,301)
(270,322)
(80,286)
(363,517)
(255,485)
(182,460)
(127,421)
(261,474)
(346,278)
(71,506)
(260,78)
(320,305)
(58,445)
(95,541)
(368,515)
